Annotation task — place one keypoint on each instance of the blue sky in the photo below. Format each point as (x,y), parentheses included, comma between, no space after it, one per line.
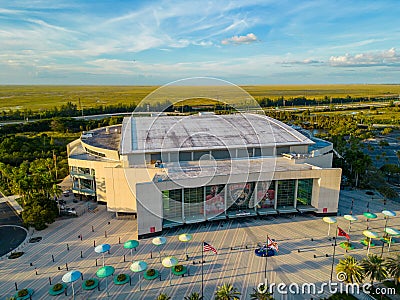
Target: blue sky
(155,42)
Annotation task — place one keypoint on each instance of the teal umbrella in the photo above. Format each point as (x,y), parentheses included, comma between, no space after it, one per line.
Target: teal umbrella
(71,277)
(105,272)
(369,215)
(131,244)
(137,267)
(170,262)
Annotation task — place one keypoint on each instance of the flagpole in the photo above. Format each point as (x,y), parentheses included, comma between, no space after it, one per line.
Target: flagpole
(334,251)
(202,274)
(266,263)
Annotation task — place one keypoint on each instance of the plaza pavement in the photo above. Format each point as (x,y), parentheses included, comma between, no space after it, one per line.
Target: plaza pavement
(234,263)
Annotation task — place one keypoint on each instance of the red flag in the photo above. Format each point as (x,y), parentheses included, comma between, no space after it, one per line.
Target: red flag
(208,247)
(341,232)
(272,244)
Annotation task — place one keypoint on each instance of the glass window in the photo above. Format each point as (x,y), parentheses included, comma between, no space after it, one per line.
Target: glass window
(215,200)
(239,195)
(286,189)
(172,206)
(198,154)
(266,194)
(221,154)
(194,203)
(304,191)
(185,156)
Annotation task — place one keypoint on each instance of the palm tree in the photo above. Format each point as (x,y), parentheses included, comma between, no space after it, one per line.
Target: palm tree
(261,295)
(194,296)
(374,268)
(351,268)
(163,297)
(393,267)
(227,292)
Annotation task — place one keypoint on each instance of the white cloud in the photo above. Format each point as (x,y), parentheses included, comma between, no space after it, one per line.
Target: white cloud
(369,59)
(240,39)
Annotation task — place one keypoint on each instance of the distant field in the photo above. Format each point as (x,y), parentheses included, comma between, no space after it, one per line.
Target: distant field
(45,97)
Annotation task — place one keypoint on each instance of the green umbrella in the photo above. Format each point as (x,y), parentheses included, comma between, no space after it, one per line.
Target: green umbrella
(185,237)
(104,272)
(131,244)
(170,262)
(370,235)
(137,267)
(329,220)
(392,232)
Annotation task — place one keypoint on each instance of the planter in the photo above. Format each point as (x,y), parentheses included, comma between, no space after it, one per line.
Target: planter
(23,294)
(117,279)
(151,277)
(179,273)
(15,255)
(57,289)
(346,245)
(87,286)
(365,242)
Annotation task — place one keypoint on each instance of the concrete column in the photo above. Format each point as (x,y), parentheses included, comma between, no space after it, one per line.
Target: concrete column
(183,205)
(296,185)
(276,194)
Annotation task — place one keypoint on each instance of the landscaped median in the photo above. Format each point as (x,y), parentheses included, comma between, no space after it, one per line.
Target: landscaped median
(57,289)
(90,284)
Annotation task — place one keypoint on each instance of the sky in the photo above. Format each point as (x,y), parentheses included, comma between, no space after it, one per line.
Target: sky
(155,42)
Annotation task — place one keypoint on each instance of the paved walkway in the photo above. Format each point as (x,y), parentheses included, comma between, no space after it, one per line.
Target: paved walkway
(234,263)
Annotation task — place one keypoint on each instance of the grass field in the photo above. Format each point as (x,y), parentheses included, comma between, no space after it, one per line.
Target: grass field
(44,97)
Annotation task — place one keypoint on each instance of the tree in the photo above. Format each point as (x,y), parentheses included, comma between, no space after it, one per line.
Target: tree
(194,296)
(352,268)
(163,297)
(374,267)
(227,292)
(392,265)
(261,294)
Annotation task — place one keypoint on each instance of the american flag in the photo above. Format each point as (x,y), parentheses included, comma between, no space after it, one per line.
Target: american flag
(272,244)
(208,247)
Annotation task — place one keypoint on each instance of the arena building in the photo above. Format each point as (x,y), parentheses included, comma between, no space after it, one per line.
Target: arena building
(172,170)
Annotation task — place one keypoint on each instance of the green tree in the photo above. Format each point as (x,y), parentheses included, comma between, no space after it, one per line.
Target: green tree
(227,292)
(194,296)
(374,267)
(261,293)
(393,267)
(352,268)
(163,296)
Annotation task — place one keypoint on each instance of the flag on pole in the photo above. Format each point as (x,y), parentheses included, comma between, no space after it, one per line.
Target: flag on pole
(341,232)
(208,247)
(272,244)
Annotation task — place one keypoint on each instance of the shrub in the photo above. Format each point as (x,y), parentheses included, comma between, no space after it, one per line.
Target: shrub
(121,277)
(57,287)
(178,268)
(15,255)
(89,282)
(150,272)
(23,293)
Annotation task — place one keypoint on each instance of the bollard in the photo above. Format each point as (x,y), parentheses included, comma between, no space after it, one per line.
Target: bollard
(92,229)
(59,268)
(108,251)
(151,254)
(130,280)
(124,258)
(315,256)
(327,255)
(36,271)
(81,254)
(119,240)
(31,264)
(82,276)
(105,234)
(81,237)
(67,247)
(94,243)
(66,266)
(49,280)
(96,262)
(52,257)
(16,286)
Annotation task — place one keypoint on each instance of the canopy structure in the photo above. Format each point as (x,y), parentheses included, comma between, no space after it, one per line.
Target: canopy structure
(103,248)
(185,237)
(329,220)
(71,277)
(370,235)
(131,244)
(391,232)
(159,241)
(388,214)
(170,262)
(350,218)
(369,215)
(105,272)
(137,267)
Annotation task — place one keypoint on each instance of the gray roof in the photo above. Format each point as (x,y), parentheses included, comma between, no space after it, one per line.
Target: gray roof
(194,132)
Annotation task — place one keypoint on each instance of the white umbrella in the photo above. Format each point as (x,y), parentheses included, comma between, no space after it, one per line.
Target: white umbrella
(159,241)
(329,220)
(103,248)
(185,237)
(370,235)
(350,218)
(170,262)
(71,277)
(392,232)
(137,267)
